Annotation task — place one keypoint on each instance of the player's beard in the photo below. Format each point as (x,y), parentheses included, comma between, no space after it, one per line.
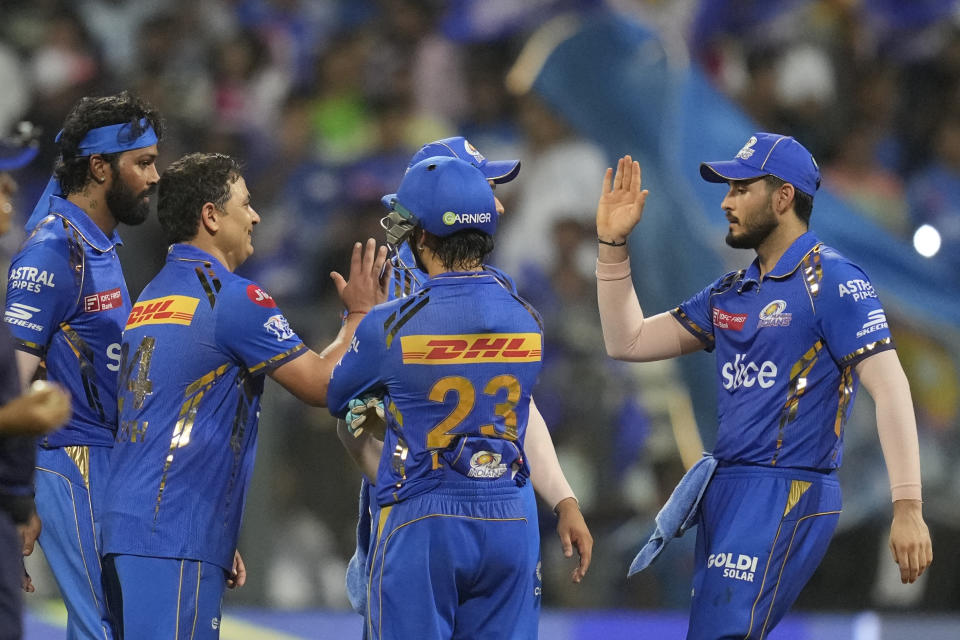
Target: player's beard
(755,230)
(126,206)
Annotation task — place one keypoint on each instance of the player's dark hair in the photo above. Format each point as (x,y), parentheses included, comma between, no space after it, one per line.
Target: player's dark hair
(187,185)
(461,250)
(73,171)
(802,202)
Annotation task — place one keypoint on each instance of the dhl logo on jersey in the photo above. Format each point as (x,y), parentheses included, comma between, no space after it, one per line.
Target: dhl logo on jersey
(166,310)
(470,348)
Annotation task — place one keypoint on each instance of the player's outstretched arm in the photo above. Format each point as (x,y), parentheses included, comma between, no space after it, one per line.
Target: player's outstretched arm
(308,376)
(552,487)
(883,378)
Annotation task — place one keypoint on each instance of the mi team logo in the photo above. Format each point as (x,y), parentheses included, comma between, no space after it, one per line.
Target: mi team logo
(747,151)
(486,464)
(773,315)
(480,347)
(166,310)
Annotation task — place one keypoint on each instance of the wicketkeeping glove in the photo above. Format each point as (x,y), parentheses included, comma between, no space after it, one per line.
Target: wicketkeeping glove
(366,411)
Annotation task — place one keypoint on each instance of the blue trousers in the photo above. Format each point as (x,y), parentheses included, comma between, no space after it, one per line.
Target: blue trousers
(69,494)
(761,535)
(456,563)
(165,598)
(11,572)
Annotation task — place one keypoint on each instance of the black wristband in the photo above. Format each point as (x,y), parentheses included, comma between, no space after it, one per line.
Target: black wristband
(610,244)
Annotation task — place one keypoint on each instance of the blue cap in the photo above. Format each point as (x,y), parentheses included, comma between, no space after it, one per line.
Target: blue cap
(18,149)
(499,171)
(445,195)
(768,154)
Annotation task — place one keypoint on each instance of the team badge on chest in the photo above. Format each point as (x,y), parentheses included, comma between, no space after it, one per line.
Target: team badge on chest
(773,315)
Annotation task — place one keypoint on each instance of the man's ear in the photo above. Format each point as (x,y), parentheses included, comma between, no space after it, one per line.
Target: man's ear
(99,168)
(784,198)
(210,218)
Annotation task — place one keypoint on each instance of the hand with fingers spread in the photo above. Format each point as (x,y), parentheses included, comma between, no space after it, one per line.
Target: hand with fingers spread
(573,532)
(910,540)
(368,279)
(621,202)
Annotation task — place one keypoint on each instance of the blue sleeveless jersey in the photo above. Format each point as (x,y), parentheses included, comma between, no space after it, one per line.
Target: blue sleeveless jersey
(456,362)
(786,347)
(196,347)
(67,302)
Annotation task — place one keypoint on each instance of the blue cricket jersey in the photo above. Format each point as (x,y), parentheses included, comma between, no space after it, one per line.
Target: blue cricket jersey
(66,302)
(786,348)
(196,348)
(456,362)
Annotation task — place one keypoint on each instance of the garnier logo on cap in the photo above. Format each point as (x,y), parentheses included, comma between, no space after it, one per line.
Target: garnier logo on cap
(449,218)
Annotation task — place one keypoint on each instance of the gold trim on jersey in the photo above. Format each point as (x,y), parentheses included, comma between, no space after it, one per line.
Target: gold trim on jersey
(879,345)
(796,387)
(277,358)
(813,274)
(797,489)
(184,425)
(80,454)
(701,334)
(845,395)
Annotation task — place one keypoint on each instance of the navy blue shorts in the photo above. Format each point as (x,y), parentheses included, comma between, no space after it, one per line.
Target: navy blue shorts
(455,563)
(762,533)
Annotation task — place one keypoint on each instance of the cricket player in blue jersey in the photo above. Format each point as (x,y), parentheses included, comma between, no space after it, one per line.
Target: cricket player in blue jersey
(23,417)
(455,363)
(546,474)
(66,305)
(196,349)
(794,333)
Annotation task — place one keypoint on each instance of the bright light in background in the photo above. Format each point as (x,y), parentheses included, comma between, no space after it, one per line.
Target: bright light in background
(926,240)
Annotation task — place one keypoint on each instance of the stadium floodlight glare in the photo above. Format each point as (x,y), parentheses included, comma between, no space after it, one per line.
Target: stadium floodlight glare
(926,240)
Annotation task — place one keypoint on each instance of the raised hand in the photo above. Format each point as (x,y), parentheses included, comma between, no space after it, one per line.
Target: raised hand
(369,278)
(621,202)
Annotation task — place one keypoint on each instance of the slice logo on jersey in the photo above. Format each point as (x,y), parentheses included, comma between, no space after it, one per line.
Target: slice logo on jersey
(20,314)
(731,321)
(260,297)
(486,464)
(166,310)
(736,566)
(478,347)
(279,327)
(741,373)
(31,279)
(876,320)
(859,289)
(747,151)
(773,315)
(103,301)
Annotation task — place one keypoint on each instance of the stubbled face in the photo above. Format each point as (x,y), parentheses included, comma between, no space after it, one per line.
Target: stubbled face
(134,183)
(235,236)
(8,188)
(749,208)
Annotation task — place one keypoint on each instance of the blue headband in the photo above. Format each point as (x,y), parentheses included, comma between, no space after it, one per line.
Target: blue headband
(113,138)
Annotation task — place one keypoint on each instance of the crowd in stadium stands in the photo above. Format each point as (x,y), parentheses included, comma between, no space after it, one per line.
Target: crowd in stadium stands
(325,101)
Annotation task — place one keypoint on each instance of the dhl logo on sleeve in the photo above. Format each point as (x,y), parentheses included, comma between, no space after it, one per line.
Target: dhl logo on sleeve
(166,310)
(476,347)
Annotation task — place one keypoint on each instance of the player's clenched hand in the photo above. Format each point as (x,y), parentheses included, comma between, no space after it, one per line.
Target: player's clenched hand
(45,407)
(573,532)
(910,540)
(369,278)
(621,201)
(238,575)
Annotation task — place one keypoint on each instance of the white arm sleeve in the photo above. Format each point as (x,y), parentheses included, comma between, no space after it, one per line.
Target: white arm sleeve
(883,378)
(545,472)
(626,333)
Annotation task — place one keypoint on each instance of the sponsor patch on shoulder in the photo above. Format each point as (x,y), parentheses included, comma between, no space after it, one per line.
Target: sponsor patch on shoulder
(279,327)
(103,301)
(260,297)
